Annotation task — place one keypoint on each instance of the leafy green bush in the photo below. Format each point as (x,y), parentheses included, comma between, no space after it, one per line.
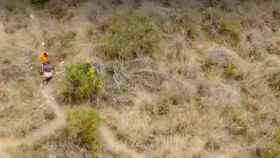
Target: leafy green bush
(271,153)
(81,83)
(130,36)
(82,125)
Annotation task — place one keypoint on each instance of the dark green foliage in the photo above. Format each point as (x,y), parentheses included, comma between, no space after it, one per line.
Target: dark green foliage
(81,83)
(82,125)
(130,36)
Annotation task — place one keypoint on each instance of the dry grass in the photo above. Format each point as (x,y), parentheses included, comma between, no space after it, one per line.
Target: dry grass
(211,91)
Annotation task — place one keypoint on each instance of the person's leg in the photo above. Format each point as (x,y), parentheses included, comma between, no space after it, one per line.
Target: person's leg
(47,80)
(42,69)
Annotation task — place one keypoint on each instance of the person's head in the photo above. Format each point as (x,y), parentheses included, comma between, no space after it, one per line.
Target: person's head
(46,54)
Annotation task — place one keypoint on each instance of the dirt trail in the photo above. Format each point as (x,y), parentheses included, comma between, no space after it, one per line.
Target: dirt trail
(114,146)
(42,132)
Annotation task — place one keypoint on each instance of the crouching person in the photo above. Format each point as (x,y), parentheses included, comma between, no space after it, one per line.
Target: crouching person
(47,69)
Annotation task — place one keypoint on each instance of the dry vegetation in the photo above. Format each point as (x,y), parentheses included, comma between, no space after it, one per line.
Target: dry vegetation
(171,79)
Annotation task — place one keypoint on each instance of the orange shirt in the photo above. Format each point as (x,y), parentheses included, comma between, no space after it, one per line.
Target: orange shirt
(43,59)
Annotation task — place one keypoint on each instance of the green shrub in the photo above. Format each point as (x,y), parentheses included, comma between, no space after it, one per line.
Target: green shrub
(81,83)
(130,36)
(271,153)
(82,125)
(231,72)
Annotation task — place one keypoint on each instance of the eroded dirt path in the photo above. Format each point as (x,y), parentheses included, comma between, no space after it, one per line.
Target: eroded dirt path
(107,138)
(42,132)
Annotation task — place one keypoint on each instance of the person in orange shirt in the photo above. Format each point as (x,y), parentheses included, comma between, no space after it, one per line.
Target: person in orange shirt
(44,58)
(47,69)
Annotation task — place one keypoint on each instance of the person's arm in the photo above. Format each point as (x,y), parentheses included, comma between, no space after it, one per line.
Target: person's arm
(42,69)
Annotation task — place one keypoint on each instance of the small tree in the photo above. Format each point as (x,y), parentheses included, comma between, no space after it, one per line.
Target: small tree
(81,83)
(82,125)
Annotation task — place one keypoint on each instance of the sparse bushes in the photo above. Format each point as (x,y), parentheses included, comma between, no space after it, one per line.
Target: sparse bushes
(81,83)
(82,125)
(130,36)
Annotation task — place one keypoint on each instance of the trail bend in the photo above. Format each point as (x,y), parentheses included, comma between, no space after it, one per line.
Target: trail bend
(44,131)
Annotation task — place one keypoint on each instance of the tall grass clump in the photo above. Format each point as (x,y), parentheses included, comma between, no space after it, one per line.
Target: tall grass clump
(81,83)
(130,36)
(82,125)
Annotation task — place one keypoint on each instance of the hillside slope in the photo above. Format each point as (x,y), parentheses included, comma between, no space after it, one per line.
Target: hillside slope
(139,78)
